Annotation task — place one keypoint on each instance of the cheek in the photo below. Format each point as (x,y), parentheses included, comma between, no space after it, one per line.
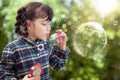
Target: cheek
(40,30)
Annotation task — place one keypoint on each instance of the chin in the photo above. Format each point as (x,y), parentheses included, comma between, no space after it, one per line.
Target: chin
(43,38)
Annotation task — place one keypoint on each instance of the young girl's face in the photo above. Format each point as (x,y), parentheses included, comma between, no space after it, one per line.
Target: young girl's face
(40,29)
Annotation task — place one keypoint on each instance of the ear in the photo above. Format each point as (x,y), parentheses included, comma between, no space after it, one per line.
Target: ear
(29,24)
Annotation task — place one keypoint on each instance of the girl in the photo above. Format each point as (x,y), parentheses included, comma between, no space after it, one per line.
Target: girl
(32,27)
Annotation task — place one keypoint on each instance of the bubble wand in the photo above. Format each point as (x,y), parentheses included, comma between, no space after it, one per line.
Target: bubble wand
(56,37)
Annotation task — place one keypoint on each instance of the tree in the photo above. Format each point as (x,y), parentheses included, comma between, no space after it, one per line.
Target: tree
(3,39)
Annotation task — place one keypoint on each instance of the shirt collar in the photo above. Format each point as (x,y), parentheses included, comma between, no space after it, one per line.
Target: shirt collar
(36,42)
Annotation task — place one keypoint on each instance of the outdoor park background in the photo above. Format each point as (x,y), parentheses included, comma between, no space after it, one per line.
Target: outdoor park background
(69,14)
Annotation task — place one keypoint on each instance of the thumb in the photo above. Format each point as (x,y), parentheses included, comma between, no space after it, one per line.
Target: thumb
(37,78)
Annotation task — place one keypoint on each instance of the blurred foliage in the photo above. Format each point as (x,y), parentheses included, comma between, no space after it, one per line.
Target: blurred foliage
(68,14)
(3,40)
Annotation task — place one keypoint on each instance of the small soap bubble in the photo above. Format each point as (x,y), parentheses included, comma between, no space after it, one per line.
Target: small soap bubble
(72,27)
(77,23)
(115,23)
(58,23)
(65,19)
(66,30)
(64,25)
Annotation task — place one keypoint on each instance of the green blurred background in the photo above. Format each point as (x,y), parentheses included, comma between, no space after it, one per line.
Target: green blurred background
(69,14)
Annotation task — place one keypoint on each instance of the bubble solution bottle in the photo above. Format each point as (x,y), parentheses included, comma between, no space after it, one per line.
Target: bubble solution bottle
(35,70)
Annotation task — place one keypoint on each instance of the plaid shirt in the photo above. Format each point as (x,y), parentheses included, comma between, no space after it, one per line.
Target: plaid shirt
(20,55)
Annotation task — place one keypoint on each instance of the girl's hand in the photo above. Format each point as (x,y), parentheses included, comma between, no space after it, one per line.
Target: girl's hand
(33,78)
(62,42)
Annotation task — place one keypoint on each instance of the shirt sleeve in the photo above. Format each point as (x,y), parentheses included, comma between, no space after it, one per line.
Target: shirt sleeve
(58,58)
(7,71)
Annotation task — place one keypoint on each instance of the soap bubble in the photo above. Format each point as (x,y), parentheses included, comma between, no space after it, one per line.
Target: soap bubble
(90,40)
(115,23)
(58,23)
(65,30)
(64,25)
(72,27)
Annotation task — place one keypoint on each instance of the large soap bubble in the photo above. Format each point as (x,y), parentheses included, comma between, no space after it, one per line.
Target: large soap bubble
(90,40)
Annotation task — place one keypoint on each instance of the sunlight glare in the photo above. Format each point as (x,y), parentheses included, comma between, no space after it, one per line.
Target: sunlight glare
(104,6)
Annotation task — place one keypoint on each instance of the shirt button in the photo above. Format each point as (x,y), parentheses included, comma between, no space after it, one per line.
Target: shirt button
(40,47)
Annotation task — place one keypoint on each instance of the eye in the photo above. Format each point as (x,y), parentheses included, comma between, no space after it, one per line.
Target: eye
(44,24)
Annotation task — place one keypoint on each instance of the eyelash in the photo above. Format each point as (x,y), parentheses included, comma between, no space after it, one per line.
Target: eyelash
(44,24)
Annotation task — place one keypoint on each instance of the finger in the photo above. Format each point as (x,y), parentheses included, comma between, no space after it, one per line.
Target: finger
(37,78)
(60,30)
(63,34)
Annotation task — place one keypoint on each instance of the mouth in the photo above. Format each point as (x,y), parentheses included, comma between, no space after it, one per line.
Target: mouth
(48,34)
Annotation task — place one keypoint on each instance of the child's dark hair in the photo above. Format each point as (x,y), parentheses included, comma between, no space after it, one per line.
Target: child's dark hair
(31,11)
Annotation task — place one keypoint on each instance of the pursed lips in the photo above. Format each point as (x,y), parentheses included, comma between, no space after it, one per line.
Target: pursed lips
(48,34)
